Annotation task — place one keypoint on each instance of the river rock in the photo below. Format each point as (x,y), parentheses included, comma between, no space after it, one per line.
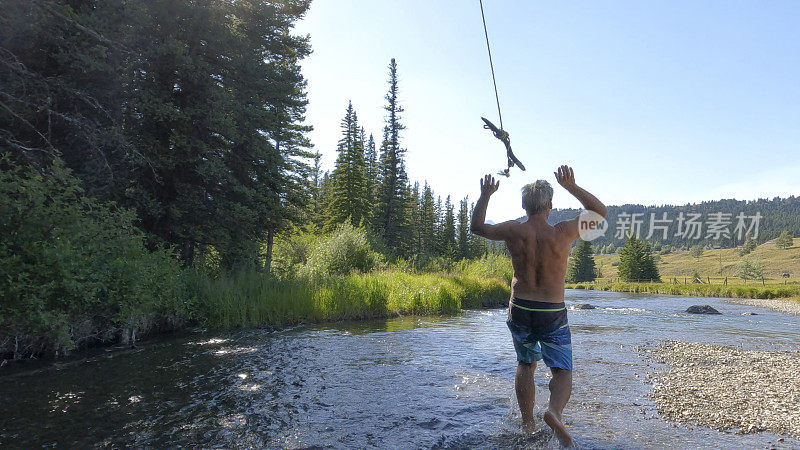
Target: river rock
(702,309)
(749,314)
(582,306)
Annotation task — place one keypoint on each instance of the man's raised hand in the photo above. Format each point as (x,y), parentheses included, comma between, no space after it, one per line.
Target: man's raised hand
(488,185)
(565,177)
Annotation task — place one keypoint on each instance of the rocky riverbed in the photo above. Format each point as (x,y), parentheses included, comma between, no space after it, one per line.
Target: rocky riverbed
(788,306)
(726,388)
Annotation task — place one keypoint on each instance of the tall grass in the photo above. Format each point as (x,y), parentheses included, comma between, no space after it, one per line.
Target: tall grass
(697,290)
(254,299)
(492,265)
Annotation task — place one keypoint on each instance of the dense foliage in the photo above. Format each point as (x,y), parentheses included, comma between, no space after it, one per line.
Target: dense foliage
(190,113)
(76,271)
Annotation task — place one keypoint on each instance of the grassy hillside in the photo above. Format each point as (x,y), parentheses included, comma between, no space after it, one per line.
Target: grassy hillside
(719,263)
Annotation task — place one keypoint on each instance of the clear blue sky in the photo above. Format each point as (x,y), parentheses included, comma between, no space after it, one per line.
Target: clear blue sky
(651,102)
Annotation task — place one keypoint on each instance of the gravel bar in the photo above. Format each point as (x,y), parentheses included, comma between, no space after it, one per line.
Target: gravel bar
(728,389)
(776,304)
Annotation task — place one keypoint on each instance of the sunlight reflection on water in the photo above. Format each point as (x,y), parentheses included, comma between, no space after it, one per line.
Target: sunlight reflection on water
(410,382)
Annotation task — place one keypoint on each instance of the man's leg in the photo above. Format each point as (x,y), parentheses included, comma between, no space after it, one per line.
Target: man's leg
(526,391)
(560,390)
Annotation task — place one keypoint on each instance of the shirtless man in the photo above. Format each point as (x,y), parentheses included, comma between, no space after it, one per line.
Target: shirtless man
(537,316)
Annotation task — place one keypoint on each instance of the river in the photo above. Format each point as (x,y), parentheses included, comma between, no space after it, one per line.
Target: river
(398,383)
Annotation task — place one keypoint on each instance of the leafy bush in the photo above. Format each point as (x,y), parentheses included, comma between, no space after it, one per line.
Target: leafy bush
(291,252)
(75,270)
(340,253)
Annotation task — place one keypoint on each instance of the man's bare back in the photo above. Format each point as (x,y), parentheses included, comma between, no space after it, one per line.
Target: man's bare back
(539,255)
(537,314)
(539,252)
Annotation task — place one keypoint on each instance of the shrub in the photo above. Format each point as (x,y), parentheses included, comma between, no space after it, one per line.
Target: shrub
(291,252)
(340,253)
(75,270)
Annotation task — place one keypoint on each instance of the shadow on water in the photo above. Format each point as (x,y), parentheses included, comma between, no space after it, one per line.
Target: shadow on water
(408,382)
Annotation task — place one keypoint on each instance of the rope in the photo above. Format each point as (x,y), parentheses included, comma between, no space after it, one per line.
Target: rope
(486,33)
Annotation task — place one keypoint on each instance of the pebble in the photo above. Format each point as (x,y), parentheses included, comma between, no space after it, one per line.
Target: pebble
(727,388)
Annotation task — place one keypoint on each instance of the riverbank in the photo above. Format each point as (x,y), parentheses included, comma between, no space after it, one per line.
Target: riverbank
(791,292)
(254,299)
(728,388)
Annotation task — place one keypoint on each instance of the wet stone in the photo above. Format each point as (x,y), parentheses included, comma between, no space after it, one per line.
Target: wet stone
(583,306)
(702,309)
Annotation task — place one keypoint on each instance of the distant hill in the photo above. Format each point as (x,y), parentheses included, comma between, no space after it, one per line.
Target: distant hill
(715,217)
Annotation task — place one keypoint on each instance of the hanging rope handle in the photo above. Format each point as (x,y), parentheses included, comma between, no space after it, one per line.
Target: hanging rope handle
(491,65)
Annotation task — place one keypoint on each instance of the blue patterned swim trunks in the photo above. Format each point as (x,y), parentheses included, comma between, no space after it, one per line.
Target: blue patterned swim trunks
(540,332)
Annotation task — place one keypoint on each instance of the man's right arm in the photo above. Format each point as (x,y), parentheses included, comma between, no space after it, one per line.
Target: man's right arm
(478,225)
(566,178)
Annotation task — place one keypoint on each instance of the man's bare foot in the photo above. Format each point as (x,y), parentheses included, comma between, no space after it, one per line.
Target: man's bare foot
(529,426)
(554,422)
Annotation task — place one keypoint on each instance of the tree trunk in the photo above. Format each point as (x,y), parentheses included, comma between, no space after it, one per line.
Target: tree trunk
(268,256)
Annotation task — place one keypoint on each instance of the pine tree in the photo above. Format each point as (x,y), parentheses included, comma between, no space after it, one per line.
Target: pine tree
(317,206)
(463,230)
(391,218)
(478,245)
(581,263)
(784,241)
(428,221)
(636,262)
(447,231)
(748,246)
(415,209)
(349,199)
(372,169)
(439,211)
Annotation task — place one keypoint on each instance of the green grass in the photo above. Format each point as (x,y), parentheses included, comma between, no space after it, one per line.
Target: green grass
(697,290)
(719,263)
(253,299)
(495,265)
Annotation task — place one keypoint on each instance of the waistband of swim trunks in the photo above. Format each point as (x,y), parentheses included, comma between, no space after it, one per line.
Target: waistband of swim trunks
(532,305)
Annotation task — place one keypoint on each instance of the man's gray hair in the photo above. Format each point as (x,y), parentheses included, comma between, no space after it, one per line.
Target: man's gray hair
(537,197)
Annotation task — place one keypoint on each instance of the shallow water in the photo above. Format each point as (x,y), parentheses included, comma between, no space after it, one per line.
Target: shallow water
(398,383)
